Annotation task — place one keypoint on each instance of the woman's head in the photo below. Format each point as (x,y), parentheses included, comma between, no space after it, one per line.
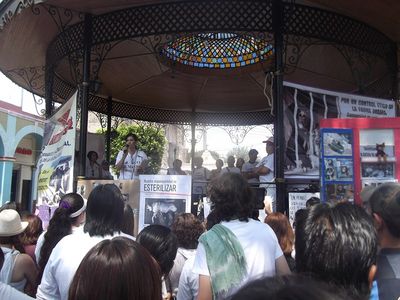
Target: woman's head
(187,229)
(92,156)
(32,231)
(105,210)
(73,206)
(70,211)
(162,244)
(138,274)
(232,198)
(284,232)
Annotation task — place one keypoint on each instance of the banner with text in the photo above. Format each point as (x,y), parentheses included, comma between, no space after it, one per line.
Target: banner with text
(55,164)
(162,197)
(304,107)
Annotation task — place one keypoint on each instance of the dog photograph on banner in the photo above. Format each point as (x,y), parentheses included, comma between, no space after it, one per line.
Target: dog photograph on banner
(303,112)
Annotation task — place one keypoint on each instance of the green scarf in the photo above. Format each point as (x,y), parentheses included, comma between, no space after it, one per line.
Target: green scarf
(225,259)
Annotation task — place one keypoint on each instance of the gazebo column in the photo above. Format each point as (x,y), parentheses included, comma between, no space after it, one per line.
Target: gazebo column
(85,92)
(108,142)
(277,25)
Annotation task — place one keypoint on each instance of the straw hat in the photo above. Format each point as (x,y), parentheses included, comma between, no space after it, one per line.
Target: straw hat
(10,223)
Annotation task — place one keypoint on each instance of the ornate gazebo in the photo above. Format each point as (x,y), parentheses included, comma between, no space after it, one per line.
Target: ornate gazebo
(198,62)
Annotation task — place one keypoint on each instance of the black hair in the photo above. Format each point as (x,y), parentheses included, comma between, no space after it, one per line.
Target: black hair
(312,201)
(385,202)
(135,137)
(90,153)
(337,244)
(290,287)
(231,198)
(60,225)
(128,224)
(162,244)
(105,210)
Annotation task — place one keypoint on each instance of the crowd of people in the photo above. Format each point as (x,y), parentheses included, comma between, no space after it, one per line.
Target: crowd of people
(341,251)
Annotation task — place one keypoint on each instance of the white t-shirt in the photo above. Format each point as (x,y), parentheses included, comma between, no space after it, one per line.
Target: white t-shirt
(188,288)
(40,241)
(260,246)
(268,161)
(92,171)
(132,161)
(63,263)
(199,176)
(230,170)
(249,167)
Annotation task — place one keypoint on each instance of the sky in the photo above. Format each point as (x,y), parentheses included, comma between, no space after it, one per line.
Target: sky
(217,138)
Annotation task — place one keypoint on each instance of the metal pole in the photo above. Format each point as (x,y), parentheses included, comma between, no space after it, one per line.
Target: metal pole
(49,75)
(193,141)
(277,25)
(85,92)
(109,112)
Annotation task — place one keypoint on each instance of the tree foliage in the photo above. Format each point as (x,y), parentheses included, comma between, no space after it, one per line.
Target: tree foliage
(151,140)
(237,152)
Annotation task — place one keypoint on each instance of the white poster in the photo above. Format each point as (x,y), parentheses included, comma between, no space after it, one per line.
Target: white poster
(162,197)
(352,106)
(56,162)
(298,201)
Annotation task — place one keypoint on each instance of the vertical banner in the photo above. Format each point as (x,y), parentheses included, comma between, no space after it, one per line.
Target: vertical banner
(56,162)
(337,169)
(162,197)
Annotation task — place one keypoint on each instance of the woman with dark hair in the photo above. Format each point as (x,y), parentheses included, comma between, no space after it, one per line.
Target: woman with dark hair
(104,215)
(162,244)
(67,219)
(187,229)
(130,161)
(93,169)
(128,225)
(238,249)
(31,234)
(284,232)
(138,274)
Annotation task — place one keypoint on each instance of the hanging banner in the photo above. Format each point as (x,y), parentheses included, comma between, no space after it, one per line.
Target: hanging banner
(162,197)
(56,162)
(304,107)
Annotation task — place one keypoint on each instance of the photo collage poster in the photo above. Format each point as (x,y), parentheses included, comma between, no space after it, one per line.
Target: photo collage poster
(337,170)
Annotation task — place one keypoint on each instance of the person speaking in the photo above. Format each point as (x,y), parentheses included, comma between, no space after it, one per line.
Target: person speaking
(130,161)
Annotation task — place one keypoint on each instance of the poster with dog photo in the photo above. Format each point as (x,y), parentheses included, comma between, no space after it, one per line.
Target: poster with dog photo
(162,198)
(336,192)
(344,169)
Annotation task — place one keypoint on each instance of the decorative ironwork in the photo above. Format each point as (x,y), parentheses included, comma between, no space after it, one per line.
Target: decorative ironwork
(154,26)
(237,133)
(11,9)
(32,77)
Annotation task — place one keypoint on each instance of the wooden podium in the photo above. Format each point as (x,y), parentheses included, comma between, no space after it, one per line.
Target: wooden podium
(130,189)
